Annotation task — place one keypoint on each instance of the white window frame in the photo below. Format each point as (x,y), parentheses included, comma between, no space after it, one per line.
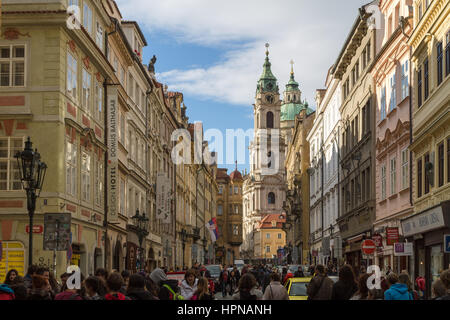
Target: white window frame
(86,96)
(85,176)
(393,175)
(99,174)
(219,209)
(405,168)
(11,163)
(87,17)
(393,86)
(99,101)
(11,61)
(100,36)
(71,168)
(405,79)
(383,182)
(72,76)
(383,103)
(267,249)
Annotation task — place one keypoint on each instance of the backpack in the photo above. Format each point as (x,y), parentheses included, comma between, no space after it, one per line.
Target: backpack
(225,276)
(172,294)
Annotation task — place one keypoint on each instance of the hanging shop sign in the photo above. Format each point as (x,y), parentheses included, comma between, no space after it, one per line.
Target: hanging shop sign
(378,239)
(392,236)
(403,249)
(113,163)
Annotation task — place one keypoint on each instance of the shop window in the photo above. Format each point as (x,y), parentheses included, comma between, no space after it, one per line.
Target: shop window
(13,257)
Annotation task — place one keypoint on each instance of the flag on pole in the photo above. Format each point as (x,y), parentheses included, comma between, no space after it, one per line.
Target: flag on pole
(213,230)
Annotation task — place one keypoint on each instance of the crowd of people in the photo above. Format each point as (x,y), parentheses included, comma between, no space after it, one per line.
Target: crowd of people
(259,282)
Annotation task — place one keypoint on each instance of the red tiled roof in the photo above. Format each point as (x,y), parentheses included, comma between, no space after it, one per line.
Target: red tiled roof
(266,222)
(221,173)
(236,175)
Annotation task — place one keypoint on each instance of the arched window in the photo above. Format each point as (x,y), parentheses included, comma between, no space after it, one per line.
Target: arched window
(269,120)
(269,155)
(295,97)
(271,198)
(254,208)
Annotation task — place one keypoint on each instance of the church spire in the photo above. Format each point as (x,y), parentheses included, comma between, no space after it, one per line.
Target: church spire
(292,85)
(267,82)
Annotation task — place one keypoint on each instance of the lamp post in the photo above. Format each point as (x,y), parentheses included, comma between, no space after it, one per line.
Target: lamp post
(32,173)
(141,225)
(183,240)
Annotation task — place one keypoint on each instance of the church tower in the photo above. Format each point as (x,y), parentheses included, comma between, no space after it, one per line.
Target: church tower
(264,186)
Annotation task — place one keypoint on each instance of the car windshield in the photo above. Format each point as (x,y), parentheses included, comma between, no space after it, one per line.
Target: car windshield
(214,270)
(298,289)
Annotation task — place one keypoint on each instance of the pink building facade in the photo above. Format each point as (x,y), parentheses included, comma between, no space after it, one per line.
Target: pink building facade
(391,73)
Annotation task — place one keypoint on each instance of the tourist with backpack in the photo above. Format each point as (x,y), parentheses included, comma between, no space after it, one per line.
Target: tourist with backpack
(168,289)
(223,279)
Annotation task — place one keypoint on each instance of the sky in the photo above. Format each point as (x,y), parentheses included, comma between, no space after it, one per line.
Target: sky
(213,51)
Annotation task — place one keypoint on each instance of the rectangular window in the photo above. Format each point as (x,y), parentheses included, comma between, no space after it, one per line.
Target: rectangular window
(363,184)
(383,104)
(427,178)
(383,182)
(122,129)
(220,190)
(448,159)
(441,164)
(368,183)
(405,81)
(86,94)
(267,235)
(364,58)
(393,100)
(440,62)
(85,177)
(235,230)
(368,52)
(419,87)
(122,197)
(393,176)
(426,79)
(279,236)
(99,101)
(99,38)
(419,178)
(9,171)
(447,55)
(405,168)
(71,75)
(71,169)
(99,183)
(219,210)
(236,190)
(12,66)
(87,18)
(267,249)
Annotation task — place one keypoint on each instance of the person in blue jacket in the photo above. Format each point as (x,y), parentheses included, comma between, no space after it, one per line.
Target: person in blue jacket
(397,290)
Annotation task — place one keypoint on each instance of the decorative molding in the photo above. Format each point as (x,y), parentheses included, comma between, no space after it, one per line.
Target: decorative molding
(72,46)
(13,34)
(87,62)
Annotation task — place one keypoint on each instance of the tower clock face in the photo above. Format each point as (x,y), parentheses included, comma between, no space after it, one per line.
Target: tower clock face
(270,86)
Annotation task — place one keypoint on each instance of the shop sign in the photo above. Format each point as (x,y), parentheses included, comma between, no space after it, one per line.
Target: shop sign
(113,157)
(57,231)
(36,229)
(12,257)
(163,198)
(378,239)
(424,222)
(447,243)
(403,249)
(392,236)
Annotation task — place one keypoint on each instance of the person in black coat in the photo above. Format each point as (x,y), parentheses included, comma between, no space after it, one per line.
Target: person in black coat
(136,288)
(346,286)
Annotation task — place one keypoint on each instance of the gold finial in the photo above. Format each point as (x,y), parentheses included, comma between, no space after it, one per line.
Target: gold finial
(267,49)
(292,66)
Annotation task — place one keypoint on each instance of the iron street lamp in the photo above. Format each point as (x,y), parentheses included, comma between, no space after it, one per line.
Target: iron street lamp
(141,224)
(32,173)
(183,240)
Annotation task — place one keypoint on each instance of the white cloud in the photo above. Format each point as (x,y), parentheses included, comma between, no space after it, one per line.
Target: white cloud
(310,32)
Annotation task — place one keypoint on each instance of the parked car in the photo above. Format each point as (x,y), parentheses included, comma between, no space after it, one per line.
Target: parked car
(297,287)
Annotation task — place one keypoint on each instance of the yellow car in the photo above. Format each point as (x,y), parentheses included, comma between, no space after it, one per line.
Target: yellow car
(296,288)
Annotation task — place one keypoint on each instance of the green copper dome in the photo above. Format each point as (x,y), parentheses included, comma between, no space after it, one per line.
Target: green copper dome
(292,85)
(267,82)
(290,110)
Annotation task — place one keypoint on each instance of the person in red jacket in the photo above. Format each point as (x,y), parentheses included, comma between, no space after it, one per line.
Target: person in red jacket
(6,293)
(114,284)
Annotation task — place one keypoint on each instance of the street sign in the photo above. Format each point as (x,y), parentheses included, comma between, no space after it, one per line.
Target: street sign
(378,239)
(402,249)
(36,229)
(447,243)
(57,231)
(392,236)
(368,246)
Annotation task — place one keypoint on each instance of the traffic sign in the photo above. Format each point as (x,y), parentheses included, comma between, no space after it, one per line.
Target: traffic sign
(447,243)
(368,246)
(36,229)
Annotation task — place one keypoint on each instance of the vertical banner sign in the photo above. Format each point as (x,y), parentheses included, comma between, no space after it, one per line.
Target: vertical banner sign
(113,174)
(163,198)
(392,236)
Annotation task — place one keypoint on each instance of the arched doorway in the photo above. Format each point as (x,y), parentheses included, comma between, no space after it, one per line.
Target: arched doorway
(117,256)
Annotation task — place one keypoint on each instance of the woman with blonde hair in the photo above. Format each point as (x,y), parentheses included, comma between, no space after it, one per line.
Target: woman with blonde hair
(202,292)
